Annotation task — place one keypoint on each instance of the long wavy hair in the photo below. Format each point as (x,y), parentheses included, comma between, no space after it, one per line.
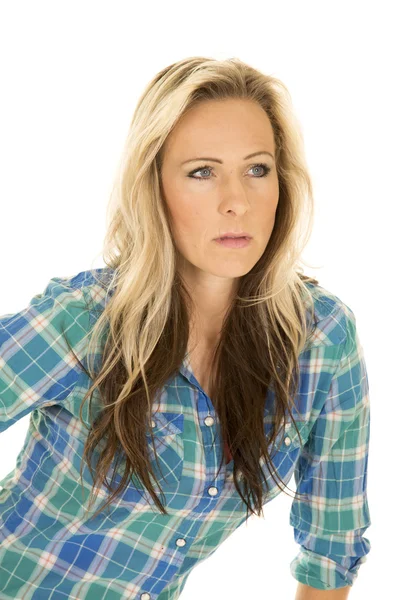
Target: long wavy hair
(143,328)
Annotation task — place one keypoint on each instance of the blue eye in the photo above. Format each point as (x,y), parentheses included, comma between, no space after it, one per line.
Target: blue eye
(266,168)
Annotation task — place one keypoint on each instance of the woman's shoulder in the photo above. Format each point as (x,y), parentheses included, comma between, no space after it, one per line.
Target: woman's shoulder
(331,314)
(95,284)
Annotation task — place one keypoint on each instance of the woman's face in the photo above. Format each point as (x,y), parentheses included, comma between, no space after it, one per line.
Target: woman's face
(229,195)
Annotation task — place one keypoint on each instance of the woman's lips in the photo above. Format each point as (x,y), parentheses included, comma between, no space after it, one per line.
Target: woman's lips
(239,242)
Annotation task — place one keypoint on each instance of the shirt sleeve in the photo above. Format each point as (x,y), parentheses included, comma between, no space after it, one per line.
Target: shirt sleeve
(37,367)
(332,473)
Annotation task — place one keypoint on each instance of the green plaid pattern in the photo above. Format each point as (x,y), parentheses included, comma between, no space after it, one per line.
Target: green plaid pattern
(49,548)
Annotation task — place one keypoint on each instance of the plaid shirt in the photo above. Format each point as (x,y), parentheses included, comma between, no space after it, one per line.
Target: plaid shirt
(50,550)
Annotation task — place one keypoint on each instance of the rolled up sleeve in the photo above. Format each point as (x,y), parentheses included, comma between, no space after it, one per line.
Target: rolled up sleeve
(330,522)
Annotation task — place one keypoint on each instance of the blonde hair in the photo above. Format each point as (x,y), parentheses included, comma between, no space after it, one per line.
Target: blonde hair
(144,323)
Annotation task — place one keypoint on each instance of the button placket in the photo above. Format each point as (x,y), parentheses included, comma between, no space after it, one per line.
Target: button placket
(209,421)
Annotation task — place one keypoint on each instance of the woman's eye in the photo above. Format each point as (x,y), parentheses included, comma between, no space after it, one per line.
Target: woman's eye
(197,170)
(266,168)
(263,166)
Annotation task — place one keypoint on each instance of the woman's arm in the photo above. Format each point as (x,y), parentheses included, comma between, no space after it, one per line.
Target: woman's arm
(37,367)
(305,592)
(331,471)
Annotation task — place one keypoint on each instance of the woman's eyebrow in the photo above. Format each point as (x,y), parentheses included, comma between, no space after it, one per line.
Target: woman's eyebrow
(221,162)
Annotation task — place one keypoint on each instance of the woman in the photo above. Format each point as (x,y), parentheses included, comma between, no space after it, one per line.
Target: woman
(210,369)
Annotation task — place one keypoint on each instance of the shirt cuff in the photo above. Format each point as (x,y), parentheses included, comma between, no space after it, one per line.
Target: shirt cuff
(320,568)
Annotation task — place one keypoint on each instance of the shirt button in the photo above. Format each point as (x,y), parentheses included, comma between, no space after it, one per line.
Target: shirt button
(145,596)
(153,424)
(213,491)
(287,441)
(209,421)
(180,542)
(287,425)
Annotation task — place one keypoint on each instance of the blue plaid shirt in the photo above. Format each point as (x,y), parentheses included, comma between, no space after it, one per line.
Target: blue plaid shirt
(49,549)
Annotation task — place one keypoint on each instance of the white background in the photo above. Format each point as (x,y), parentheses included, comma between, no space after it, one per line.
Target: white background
(71,74)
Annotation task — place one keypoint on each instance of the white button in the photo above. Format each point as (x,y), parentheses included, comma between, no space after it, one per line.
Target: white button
(209,421)
(287,441)
(153,424)
(213,491)
(287,425)
(145,596)
(180,542)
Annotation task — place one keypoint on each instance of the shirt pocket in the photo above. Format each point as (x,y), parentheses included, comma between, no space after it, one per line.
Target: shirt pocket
(287,439)
(167,428)
(285,448)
